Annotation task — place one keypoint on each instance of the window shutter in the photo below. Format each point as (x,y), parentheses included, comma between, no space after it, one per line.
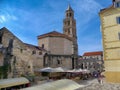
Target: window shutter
(118,20)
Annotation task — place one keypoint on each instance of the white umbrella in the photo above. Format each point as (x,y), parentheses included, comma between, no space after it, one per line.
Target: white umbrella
(86,71)
(59,69)
(79,70)
(47,69)
(71,70)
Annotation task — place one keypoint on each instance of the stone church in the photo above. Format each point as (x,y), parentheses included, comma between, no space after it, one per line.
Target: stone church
(54,49)
(62,47)
(16,57)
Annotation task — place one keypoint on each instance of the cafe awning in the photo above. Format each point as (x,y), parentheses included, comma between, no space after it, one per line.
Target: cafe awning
(13,82)
(50,69)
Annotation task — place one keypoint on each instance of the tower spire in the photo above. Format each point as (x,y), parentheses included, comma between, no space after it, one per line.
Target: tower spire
(69,25)
(69,7)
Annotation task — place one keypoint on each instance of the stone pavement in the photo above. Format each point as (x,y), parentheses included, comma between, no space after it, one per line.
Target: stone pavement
(94,85)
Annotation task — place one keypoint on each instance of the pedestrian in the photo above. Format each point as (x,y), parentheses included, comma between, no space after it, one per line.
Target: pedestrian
(100,81)
(48,80)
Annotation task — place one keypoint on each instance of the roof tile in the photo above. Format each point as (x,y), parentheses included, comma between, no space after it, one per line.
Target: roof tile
(93,53)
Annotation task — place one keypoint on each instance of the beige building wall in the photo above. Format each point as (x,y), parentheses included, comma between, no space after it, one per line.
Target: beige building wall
(111,43)
(57,45)
(68,47)
(45,42)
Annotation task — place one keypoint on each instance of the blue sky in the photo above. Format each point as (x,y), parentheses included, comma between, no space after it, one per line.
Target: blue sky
(29,18)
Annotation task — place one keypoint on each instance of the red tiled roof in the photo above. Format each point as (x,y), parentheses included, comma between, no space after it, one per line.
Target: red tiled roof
(93,53)
(54,34)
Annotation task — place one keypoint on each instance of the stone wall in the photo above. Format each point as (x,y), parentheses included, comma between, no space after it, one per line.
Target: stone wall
(25,57)
(1,59)
(54,61)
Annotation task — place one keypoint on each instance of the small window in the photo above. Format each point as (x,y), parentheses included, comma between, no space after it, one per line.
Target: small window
(64,23)
(70,14)
(28,66)
(42,45)
(67,15)
(65,30)
(40,53)
(119,35)
(68,22)
(118,20)
(21,50)
(68,31)
(117,4)
(34,52)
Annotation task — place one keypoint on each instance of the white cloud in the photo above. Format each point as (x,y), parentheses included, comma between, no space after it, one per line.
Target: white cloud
(86,10)
(2,18)
(6,16)
(11,17)
(90,6)
(86,13)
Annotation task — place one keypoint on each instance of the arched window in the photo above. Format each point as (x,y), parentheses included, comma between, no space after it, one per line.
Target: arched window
(68,23)
(68,31)
(67,15)
(70,14)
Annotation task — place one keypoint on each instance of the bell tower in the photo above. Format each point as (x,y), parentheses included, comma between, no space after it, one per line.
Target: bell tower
(69,23)
(69,29)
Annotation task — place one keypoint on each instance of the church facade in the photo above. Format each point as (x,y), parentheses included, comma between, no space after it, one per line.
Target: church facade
(62,47)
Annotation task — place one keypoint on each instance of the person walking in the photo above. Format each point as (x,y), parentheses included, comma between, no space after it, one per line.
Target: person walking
(100,81)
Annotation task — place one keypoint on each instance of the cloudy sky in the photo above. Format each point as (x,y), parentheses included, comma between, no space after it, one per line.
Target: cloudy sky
(29,18)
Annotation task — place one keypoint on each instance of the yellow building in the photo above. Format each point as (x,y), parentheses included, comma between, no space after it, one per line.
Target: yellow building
(110,25)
